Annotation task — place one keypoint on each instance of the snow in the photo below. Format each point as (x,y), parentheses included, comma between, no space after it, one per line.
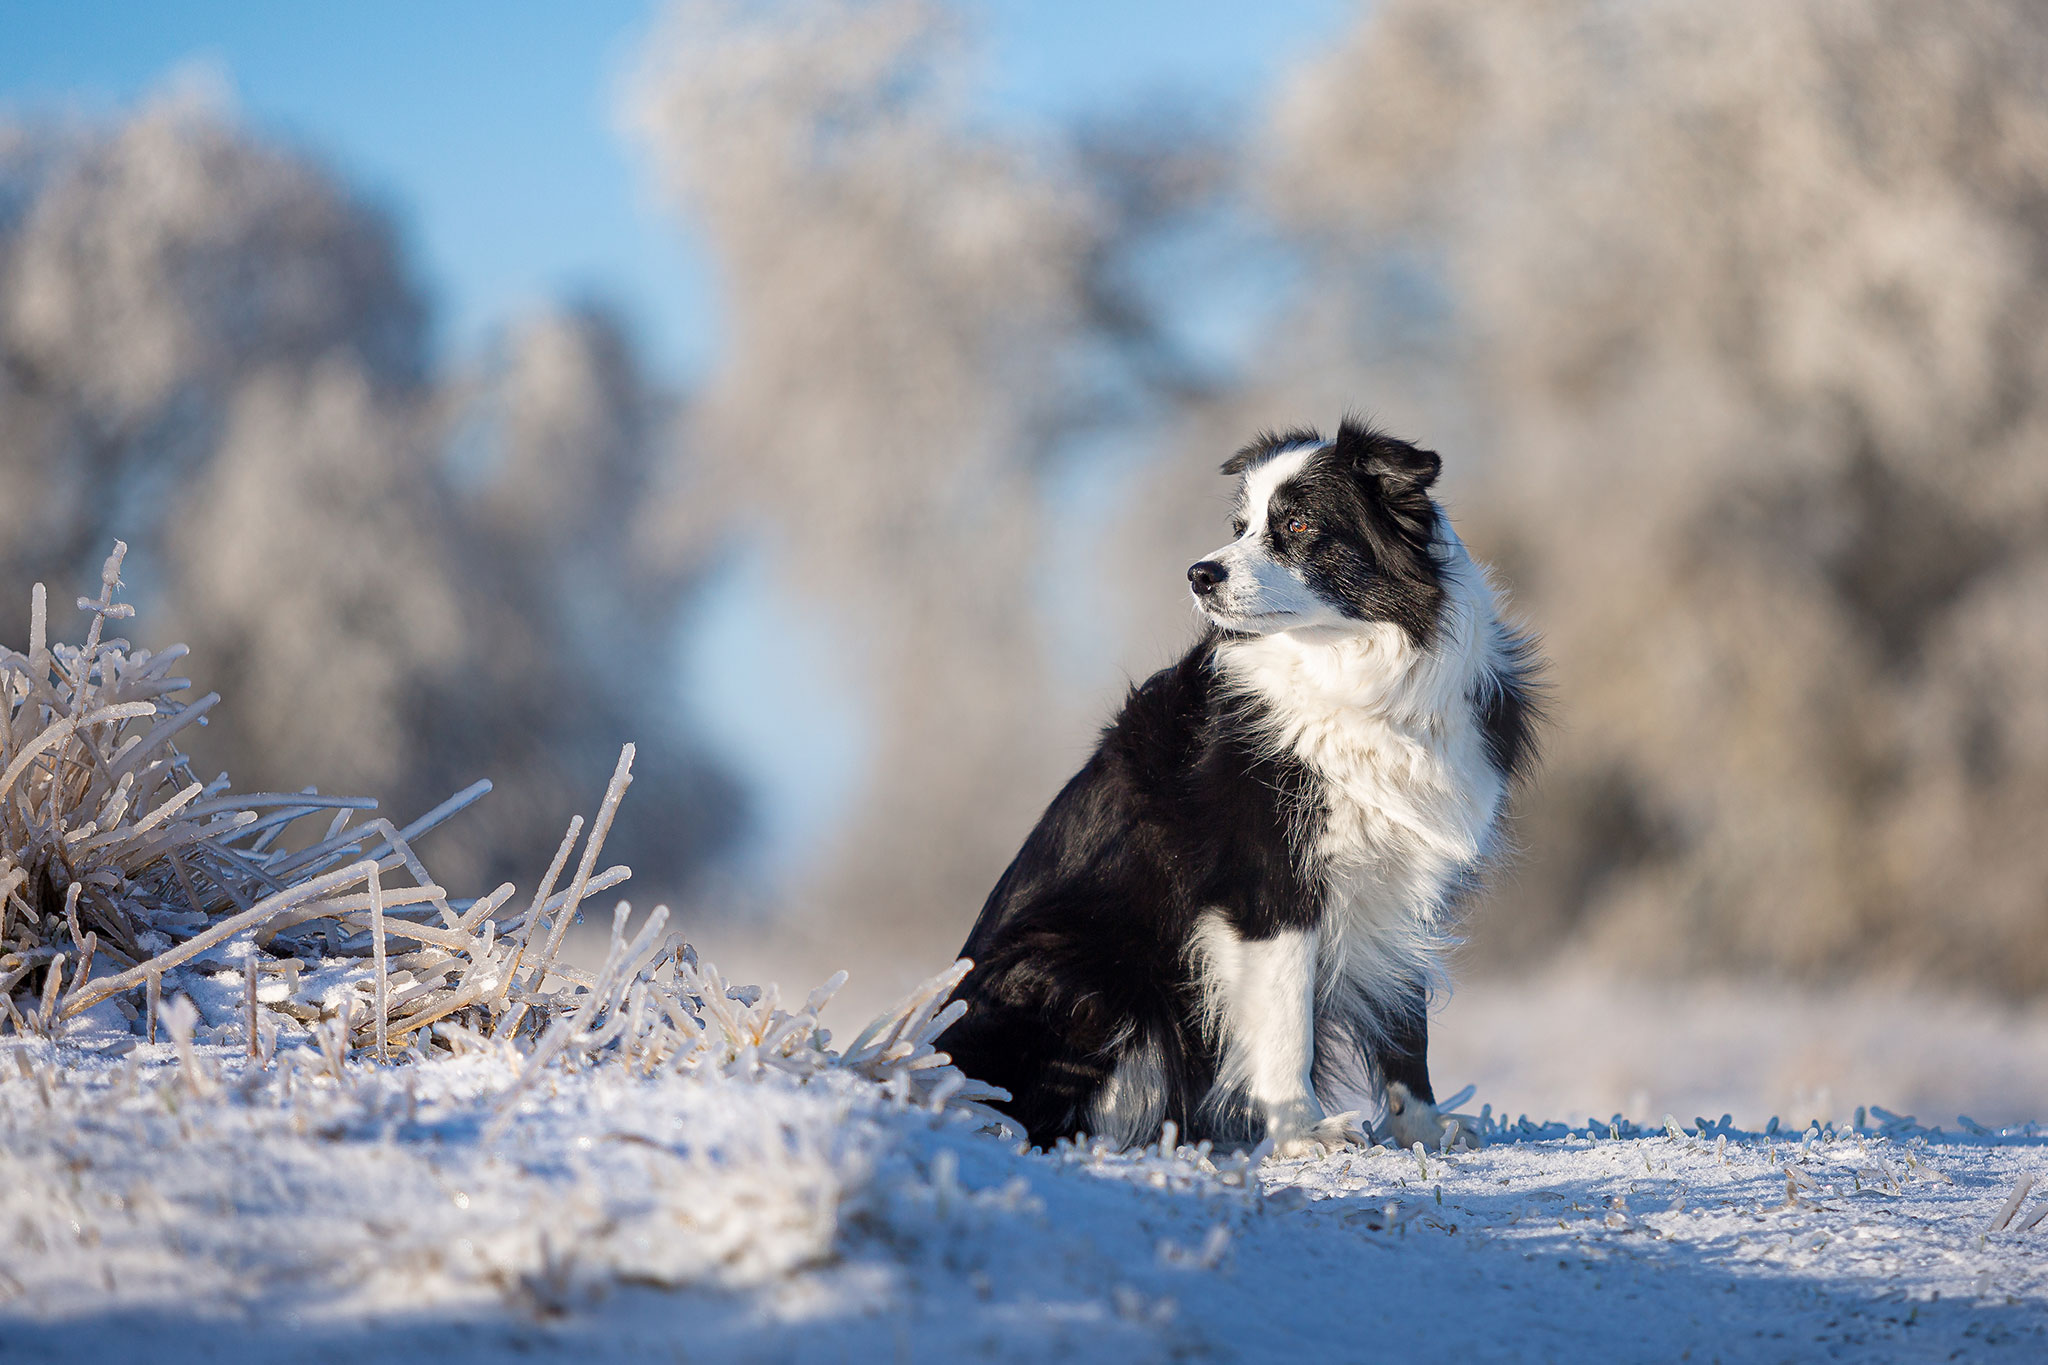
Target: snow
(1574,1043)
(210,1209)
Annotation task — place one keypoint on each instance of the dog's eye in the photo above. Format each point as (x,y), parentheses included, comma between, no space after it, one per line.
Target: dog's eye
(1237,525)
(1297,526)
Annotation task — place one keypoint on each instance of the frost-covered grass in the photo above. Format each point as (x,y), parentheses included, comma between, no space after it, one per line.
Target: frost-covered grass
(109,847)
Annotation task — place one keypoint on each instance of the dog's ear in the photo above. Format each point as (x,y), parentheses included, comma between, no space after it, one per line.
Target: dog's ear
(1401,472)
(1266,445)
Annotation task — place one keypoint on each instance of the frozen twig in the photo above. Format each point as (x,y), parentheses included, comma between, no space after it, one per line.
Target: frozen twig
(377,951)
(2012,1203)
(226,929)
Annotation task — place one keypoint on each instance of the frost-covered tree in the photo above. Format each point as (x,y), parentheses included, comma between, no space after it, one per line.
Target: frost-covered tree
(1745,308)
(144,270)
(211,349)
(902,291)
(311,567)
(555,438)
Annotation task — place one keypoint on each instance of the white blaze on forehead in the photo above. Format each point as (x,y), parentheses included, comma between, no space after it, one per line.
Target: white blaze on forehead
(1263,481)
(1255,585)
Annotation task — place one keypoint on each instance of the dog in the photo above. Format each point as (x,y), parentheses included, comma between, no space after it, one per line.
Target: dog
(1235,916)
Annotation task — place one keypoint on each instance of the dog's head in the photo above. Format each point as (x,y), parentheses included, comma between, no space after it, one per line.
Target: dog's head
(1329,534)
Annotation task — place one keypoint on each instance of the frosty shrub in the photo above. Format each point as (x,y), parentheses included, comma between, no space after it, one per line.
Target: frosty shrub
(111,848)
(102,824)
(113,855)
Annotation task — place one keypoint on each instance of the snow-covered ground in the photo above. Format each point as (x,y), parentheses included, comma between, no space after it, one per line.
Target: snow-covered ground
(203,1210)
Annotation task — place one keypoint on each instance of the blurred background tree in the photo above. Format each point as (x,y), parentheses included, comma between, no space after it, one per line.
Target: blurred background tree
(1745,308)
(399,581)
(1728,319)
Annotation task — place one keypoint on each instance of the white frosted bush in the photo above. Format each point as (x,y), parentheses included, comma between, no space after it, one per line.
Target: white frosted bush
(112,855)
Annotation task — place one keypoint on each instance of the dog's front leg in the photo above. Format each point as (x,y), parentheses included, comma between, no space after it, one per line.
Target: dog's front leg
(1402,1060)
(1262,993)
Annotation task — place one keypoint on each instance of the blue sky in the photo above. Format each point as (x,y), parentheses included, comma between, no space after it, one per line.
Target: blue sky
(489,129)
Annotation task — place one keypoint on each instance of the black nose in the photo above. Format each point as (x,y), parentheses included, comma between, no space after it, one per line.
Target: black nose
(1207,576)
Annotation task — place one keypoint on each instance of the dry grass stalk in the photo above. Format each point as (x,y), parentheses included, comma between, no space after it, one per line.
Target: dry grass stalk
(2020,1187)
(377,952)
(249,1015)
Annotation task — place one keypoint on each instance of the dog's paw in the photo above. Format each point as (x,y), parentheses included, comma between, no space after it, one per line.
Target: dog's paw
(1411,1120)
(1347,1129)
(1332,1134)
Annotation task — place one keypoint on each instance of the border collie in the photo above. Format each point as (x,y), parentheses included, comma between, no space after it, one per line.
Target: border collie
(1233,916)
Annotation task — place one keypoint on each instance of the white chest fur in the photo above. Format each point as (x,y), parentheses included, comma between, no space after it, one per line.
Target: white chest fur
(1410,804)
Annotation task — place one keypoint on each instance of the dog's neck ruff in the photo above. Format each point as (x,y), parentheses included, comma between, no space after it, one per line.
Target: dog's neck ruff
(1409,800)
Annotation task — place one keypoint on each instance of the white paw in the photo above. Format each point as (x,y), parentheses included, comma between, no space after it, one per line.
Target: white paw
(1411,1120)
(1332,1134)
